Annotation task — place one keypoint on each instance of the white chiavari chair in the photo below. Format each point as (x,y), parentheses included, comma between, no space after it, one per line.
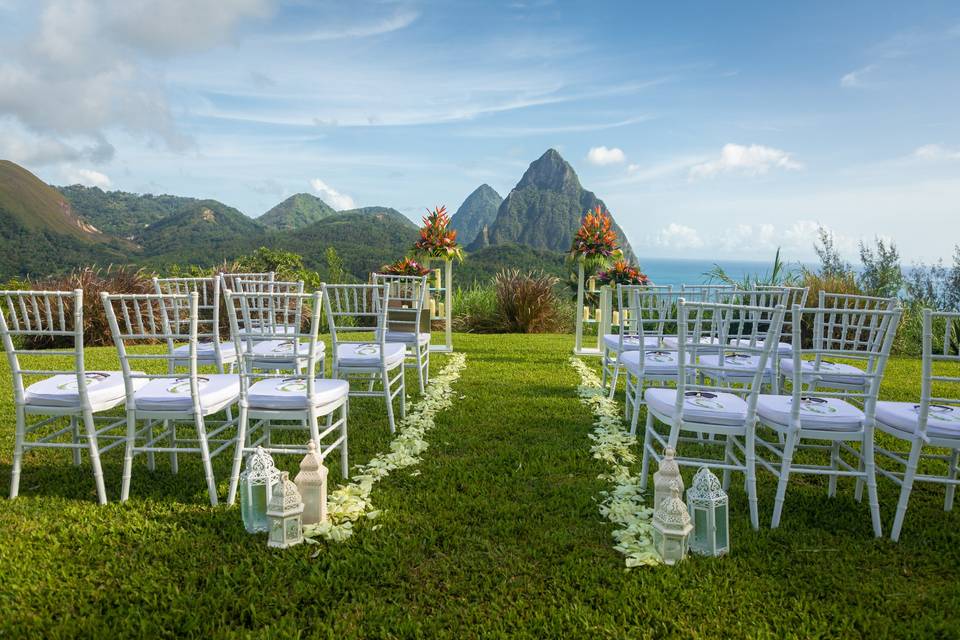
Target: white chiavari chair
(626,338)
(408,297)
(211,350)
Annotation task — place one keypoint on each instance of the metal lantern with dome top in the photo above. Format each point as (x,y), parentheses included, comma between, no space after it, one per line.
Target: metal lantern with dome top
(285,512)
(667,478)
(312,484)
(709,510)
(671,529)
(256,487)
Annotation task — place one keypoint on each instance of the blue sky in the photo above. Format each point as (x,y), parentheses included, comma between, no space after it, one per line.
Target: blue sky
(718,130)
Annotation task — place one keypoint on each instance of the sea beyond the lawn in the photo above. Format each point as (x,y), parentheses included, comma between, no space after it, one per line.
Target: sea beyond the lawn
(676,271)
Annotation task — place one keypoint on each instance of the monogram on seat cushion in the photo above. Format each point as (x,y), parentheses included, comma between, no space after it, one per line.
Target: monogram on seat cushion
(704,407)
(367,354)
(943,420)
(815,413)
(173,394)
(291,393)
(654,362)
(104,389)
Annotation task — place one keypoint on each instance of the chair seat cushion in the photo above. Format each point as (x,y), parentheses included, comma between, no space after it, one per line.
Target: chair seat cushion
(104,389)
(282,349)
(942,420)
(829,371)
(408,337)
(630,342)
(173,394)
(735,365)
(674,341)
(291,393)
(782,347)
(703,407)
(660,362)
(206,351)
(367,354)
(816,413)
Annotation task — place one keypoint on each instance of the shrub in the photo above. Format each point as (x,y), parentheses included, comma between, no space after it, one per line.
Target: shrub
(528,303)
(93,280)
(475,310)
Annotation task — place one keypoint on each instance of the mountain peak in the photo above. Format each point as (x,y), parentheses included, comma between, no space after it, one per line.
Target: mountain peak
(298,211)
(550,172)
(477,212)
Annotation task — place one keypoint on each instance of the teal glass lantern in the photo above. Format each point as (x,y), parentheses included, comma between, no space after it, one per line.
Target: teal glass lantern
(671,529)
(709,510)
(256,488)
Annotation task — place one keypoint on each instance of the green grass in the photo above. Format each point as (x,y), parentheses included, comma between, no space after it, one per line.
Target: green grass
(498,535)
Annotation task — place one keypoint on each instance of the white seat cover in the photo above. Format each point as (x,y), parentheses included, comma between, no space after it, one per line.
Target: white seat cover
(104,389)
(206,351)
(291,393)
(630,342)
(829,371)
(654,362)
(367,354)
(815,413)
(282,349)
(735,365)
(173,394)
(782,347)
(408,337)
(674,341)
(703,407)
(942,420)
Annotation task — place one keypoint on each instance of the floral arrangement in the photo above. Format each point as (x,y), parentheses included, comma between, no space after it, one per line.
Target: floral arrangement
(437,240)
(595,240)
(405,267)
(623,504)
(350,503)
(622,272)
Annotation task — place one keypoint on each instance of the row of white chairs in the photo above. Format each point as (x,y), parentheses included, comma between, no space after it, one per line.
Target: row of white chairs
(270,372)
(727,348)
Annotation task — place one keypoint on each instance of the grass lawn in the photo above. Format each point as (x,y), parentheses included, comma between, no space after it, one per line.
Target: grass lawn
(498,534)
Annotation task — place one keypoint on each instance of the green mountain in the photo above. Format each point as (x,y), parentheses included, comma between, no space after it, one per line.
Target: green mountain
(481,265)
(477,212)
(544,210)
(364,238)
(39,231)
(121,213)
(202,233)
(299,210)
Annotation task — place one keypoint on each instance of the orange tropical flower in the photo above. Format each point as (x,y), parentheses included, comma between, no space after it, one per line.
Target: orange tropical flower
(436,239)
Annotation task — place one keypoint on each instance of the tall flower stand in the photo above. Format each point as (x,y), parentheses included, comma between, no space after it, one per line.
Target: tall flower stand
(441,301)
(589,315)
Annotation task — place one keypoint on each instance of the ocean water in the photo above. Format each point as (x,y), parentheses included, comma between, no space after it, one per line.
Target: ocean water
(675,271)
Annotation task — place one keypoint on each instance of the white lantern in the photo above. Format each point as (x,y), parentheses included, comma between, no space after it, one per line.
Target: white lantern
(312,485)
(667,478)
(708,507)
(671,529)
(256,487)
(284,512)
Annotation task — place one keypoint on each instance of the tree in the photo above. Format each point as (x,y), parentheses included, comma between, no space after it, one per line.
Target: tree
(832,264)
(334,266)
(881,275)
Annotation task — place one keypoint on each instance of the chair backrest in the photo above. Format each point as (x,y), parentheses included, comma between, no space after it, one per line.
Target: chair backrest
(642,304)
(146,317)
(794,296)
(356,308)
(52,317)
(861,337)
(706,292)
(936,402)
(208,306)
(246,309)
(229,280)
(408,297)
(266,316)
(737,328)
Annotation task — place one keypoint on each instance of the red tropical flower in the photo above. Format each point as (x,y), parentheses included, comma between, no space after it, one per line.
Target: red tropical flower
(405,267)
(595,238)
(622,272)
(436,239)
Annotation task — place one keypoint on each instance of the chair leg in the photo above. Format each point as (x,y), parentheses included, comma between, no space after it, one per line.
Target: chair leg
(858,487)
(344,458)
(870,470)
(128,456)
(750,462)
(905,488)
(951,488)
(386,395)
(727,458)
(171,427)
(420,375)
(91,429)
(75,434)
(403,394)
(151,459)
(645,463)
(207,462)
(635,411)
(835,465)
(791,443)
(19,437)
(238,454)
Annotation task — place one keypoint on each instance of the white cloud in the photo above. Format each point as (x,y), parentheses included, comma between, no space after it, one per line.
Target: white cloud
(603,156)
(936,152)
(401,19)
(855,79)
(753,160)
(88,177)
(679,236)
(331,196)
